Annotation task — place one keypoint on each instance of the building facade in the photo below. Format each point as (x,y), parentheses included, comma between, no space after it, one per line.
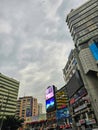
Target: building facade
(70,66)
(27,107)
(83,22)
(83,25)
(80,106)
(8,95)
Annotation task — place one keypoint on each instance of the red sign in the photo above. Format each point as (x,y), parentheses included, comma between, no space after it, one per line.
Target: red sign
(72,101)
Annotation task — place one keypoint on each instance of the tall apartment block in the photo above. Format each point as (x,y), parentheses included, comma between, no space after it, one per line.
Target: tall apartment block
(83,25)
(26,107)
(8,95)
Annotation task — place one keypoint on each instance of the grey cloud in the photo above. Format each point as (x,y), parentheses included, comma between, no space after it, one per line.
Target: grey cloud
(35,43)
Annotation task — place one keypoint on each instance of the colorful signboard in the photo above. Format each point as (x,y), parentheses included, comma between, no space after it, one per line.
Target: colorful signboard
(49,92)
(82,92)
(61,99)
(50,104)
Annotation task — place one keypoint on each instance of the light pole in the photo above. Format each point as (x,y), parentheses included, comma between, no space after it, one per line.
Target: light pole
(2,118)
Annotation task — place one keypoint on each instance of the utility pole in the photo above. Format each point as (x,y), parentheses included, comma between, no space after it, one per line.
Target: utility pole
(2,119)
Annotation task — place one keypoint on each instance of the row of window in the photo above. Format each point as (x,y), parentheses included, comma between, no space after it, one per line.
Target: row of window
(82,20)
(6,92)
(11,87)
(85,13)
(88,36)
(7,113)
(8,95)
(87,5)
(86,31)
(9,81)
(86,25)
(86,20)
(8,109)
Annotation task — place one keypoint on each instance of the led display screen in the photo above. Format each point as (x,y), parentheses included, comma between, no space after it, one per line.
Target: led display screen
(94,49)
(74,84)
(50,104)
(49,92)
(62,113)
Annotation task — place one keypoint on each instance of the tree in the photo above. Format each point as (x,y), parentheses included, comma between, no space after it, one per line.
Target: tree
(11,122)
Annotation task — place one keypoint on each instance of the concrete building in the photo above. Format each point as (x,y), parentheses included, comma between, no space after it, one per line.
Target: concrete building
(40,108)
(8,95)
(83,22)
(70,66)
(27,107)
(79,101)
(83,25)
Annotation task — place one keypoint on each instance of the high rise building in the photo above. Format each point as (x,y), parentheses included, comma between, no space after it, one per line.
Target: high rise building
(83,22)
(79,101)
(8,95)
(83,25)
(40,108)
(26,107)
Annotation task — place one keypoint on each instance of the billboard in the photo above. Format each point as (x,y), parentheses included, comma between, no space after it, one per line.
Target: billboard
(61,98)
(49,92)
(50,104)
(62,113)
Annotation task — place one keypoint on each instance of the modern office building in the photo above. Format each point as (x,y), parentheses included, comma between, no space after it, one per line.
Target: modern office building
(83,25)
(27,107)
(8,95)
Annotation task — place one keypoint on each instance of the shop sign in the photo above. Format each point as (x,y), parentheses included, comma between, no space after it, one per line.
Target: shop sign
(80,107)
(72,101)
(82,121)
(82,92)
(92,121)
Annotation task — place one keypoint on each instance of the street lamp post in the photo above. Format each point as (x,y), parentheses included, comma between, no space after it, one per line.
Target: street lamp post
(2,119)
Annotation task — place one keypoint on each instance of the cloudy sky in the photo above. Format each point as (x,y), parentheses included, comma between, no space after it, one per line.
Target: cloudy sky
(35,43)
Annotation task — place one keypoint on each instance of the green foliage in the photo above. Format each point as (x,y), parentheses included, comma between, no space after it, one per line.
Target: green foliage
(11,122)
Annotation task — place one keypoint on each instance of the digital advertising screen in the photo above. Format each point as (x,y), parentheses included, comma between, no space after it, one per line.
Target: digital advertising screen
(49,92)
(62,113)
(50,104)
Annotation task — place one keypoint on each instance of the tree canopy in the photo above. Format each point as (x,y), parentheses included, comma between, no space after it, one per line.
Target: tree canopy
(11,122)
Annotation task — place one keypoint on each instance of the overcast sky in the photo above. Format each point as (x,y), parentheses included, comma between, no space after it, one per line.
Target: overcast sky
(35,43)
